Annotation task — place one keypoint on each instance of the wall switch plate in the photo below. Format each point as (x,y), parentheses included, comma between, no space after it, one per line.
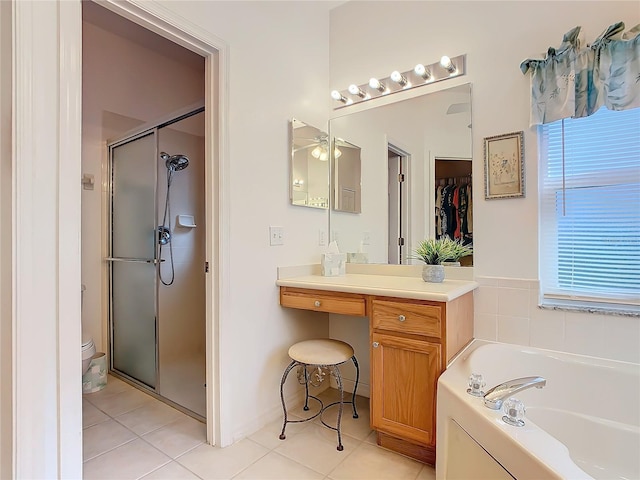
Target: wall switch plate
(322,238)
(366,238)
(276,235)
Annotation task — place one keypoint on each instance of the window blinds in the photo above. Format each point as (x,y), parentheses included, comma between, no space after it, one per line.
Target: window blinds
(590,208)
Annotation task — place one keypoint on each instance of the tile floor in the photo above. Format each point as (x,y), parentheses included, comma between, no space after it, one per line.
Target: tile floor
(130,435)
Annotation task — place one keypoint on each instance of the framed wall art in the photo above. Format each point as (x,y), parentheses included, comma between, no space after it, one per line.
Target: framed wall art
(504,166)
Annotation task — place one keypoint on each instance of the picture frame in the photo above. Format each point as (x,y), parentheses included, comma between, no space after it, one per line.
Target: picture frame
(504,166)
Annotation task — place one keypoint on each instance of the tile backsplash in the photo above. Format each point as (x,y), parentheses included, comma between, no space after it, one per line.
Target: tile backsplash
(506,310)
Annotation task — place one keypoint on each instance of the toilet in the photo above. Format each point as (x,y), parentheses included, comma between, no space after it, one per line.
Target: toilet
(88,351)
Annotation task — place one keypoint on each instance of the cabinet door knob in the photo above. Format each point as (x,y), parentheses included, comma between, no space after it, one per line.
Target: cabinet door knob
(375,344)
(317,303)
(402,318)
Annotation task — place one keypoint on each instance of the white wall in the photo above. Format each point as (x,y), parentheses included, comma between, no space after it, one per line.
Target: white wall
(6,415)
(278,69)
(496,36)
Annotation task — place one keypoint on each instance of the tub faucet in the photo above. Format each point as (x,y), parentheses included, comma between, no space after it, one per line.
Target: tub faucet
(494,397)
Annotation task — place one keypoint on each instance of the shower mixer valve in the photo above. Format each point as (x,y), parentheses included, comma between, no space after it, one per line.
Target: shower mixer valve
(164,235)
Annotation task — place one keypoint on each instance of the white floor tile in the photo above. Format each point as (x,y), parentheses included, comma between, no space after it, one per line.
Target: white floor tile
(222,463)
(276,467)
(103,437)
(178,437)
(316,448)
(427,473)
(269,436)
(369,462)
(150,416)
(121,402)
(129,461)
(129,434)
(171,471)
(91,415)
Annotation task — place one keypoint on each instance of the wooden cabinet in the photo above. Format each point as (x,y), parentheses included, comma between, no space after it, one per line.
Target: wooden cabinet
(411,342)
(409,350)
(404,372)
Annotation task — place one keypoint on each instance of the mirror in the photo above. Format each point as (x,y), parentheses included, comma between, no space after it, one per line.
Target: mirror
(408,150)
(346,177)
(309,169)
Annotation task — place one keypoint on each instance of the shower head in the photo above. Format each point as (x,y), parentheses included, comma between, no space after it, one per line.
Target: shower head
(175,162)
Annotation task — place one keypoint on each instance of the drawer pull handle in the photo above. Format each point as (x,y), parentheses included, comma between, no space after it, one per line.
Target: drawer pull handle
(316,303)
(402,318)
(375,344)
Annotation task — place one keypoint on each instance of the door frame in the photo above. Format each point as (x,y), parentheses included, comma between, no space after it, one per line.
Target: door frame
(217,193)
(46,436)
(404,205)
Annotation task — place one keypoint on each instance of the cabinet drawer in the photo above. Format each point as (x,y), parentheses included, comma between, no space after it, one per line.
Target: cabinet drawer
(413,318)
(319,301)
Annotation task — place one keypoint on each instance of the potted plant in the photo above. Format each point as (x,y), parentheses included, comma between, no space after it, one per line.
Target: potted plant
(433,252)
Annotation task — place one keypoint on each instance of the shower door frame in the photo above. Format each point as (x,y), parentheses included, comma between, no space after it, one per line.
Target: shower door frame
(152,128)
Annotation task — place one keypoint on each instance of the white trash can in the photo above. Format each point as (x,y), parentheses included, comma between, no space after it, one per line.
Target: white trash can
(95,379)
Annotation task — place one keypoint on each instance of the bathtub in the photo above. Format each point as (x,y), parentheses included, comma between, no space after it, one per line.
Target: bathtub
(584,424)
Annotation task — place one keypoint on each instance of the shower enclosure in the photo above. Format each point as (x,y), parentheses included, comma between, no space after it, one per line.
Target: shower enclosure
(157,261)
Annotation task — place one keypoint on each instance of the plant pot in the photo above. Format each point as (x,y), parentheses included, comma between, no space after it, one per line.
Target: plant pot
(433,273)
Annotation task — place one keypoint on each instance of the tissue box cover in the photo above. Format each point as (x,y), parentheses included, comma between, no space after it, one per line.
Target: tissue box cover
(333,264)
(359,257)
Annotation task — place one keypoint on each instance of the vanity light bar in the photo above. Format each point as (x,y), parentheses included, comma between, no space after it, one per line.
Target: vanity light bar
(418,76)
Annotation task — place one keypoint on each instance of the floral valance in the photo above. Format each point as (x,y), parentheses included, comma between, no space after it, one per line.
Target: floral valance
(575,81)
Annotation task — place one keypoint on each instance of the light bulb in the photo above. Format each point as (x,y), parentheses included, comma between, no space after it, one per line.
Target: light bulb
(336,95)
(316,152)
(422,71)
(397,77)
(446,63)
(356,90)
(377,85)
(336,152)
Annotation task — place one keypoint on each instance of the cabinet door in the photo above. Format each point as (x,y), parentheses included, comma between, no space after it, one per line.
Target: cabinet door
(404,372)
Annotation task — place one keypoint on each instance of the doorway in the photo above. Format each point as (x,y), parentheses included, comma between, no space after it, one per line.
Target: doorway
(146,91)
(398,191)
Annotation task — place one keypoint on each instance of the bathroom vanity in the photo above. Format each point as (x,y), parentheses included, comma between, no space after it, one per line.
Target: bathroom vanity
(415,329)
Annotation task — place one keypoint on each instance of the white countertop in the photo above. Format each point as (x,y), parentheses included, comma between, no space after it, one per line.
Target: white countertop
(388,285)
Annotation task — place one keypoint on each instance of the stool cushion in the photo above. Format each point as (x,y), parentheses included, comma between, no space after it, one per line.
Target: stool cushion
(321,352)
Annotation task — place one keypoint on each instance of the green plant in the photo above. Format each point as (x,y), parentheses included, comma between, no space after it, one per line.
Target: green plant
(434,252)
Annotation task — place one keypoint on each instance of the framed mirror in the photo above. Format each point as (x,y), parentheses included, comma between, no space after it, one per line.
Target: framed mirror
(407,150)
(309,165)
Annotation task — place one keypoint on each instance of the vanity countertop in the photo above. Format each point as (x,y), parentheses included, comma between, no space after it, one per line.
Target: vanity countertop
(385,285)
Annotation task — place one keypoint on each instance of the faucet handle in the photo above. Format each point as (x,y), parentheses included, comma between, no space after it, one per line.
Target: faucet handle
(514,410)
(476,382)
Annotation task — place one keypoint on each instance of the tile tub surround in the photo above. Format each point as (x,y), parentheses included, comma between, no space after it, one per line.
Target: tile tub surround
(144,438)
(506,310)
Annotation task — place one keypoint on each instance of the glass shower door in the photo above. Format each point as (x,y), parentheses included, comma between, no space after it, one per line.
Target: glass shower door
(133,259)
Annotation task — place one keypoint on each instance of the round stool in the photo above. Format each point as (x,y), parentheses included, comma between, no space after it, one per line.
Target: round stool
(318,354)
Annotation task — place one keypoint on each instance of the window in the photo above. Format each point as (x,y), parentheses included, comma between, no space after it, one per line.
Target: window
(590,210)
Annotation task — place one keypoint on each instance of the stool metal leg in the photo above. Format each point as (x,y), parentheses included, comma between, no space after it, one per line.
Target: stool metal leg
(306,389)
(284,408)
(336,373)
(353,398)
